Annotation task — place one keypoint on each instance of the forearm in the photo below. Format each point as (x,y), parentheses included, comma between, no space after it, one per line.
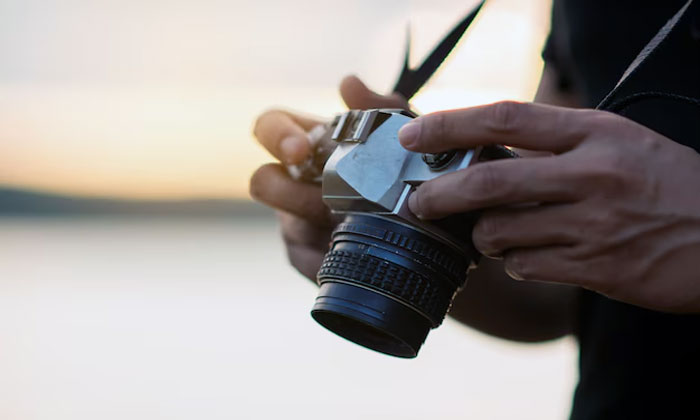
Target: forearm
(497,305)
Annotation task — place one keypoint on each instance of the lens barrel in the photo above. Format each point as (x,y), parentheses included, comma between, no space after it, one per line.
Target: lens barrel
(384,284)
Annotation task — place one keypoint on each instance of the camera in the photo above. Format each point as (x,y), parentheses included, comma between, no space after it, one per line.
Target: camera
(388,277)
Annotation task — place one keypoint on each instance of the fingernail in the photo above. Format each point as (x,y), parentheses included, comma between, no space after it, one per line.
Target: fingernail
(409,134)
(514,275)
(290,150)
(493,254)
(413,205)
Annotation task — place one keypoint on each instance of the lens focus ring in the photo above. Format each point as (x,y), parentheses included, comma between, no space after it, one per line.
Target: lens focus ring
(436,256)
(409,286)
(397,261)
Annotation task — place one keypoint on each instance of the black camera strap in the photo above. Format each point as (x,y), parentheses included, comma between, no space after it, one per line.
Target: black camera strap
(612,104)
(410,80)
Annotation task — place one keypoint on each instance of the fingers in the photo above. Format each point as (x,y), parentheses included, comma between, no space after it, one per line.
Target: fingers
(297,231)
(306,260)
(497,183)
(525,125)
(550,264)
(306,243)
(357,95)
(272,185)
(284,135)
(499,231)
(558,264)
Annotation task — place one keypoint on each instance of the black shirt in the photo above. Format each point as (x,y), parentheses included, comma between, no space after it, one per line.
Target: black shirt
(634,363)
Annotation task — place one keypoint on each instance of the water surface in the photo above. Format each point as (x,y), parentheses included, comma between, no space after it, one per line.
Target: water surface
(109,318)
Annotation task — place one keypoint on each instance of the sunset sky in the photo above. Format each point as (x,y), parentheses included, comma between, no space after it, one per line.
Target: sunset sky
(156,98)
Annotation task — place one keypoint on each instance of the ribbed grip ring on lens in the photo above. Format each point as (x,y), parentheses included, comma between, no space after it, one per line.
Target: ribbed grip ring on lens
(397,261)
(437,256)
(420,291)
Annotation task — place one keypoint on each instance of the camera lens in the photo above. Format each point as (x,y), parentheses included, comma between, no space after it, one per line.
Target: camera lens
(384,284)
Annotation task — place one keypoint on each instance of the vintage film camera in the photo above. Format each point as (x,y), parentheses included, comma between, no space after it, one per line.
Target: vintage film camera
(388,277)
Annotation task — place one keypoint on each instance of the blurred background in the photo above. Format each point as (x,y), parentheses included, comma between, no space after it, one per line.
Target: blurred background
(138,281)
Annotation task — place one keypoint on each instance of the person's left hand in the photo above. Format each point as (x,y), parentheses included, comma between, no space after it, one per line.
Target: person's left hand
(615,209)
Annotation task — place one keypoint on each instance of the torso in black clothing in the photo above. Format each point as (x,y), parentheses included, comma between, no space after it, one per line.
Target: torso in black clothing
(634,363)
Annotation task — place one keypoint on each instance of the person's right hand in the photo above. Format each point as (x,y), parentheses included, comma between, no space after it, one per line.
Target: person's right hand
(305,221)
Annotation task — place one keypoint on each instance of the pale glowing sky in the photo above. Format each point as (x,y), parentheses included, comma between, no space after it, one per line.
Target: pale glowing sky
(156,98)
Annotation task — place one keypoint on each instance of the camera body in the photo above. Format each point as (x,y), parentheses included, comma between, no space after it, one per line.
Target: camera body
(388,277)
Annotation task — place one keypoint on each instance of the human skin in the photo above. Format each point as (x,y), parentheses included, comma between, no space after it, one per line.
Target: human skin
(614,207)
(491,301)
(306,223)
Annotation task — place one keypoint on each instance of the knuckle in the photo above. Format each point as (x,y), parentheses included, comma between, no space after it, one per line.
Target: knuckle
(436,127)
(256,185)
(599,119)
(263,183)
(297,231)
(611,169)
(601,234)
(607,124)
(486,235)
(504,116)
(646,143)
(483,182)
(425,200)
(259,122)
(317,213)
(397,100)
(262,120)
(604,170)
(367,99)
(601,221)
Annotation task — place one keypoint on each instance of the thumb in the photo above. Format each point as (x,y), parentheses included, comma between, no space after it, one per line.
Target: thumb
(357,95)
